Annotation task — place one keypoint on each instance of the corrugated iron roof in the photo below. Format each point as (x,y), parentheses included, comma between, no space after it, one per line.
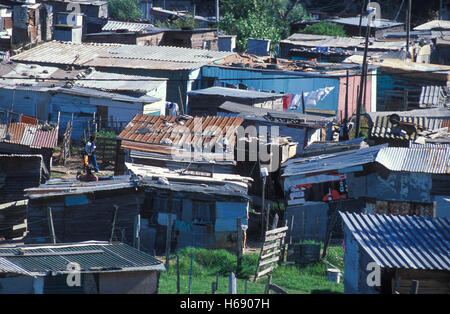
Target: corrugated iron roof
(124,56)
(35,136)
(330,162)
(152,132)
(424,119)
(423,159)
(433,96)
(234,92)
(436,24)
(92,256)
(377,23)
(131,27)
(415,242)
(58,187)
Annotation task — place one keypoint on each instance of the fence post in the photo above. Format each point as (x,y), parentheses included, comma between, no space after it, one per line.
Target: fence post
(50,224)
(190,273)
(217,280)
(245,289)
(213,287)
(169,231)
(232,283)
(415,287)
(275,221)
(269,282)
(178,274)
(239,244)
(116,208)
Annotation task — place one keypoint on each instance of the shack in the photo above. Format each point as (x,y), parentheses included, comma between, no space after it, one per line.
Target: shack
(49,93)
(83,211)
(399,128)
(322,84)
(197,209)
(302,129)
(316,187)
(205,102)
(17,173)
(28,138)
(178,142)
(102,267)
(181,66)
(384,254)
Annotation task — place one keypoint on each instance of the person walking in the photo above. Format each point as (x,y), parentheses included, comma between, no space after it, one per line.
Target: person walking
(91,152)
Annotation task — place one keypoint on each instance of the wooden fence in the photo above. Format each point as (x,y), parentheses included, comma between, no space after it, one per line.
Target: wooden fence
(270,251)
(106,151)
(66,144)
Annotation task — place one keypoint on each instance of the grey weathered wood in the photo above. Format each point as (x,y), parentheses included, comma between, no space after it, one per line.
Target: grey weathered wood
(275,252)
(178,274)
(232,283)
(265,271)
(275,231)
(169,232)
(50,225)
(276,236)
(116,208)
(190,273)
(213,287)
(268,261)
(275,222)
(277,289)
(239,243)
(269,282)
(271,246)
(415,287)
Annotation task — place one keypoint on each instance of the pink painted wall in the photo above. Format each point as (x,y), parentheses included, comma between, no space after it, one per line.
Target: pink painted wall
(354,83)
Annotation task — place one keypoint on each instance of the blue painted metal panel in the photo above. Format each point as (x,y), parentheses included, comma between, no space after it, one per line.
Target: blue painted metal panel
(226,214)
(415,242)
(278,81)
(73,200)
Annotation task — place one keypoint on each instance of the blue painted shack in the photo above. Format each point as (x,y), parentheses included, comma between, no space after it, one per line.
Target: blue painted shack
(180,66)
(49,93)
(323,84)
(199,210)
(384,254)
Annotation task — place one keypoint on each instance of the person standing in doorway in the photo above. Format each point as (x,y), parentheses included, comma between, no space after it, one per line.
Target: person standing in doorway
(91,152)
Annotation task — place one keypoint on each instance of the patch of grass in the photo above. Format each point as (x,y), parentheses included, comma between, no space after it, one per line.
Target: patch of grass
(56,174)
(292,278)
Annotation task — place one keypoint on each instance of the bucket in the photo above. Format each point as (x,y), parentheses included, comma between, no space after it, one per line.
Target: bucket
(334,275)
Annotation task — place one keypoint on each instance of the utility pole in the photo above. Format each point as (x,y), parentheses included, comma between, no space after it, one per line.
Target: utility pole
(408,27)
(346,97)
(363,9)
(217,11)
(363,76)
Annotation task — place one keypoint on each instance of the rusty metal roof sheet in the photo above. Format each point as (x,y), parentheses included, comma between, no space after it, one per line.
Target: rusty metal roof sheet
(418,159)
(162,133)
(35,136)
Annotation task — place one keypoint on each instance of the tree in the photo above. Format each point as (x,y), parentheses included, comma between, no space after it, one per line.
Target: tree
(325,28)
(268,19)
(124,10)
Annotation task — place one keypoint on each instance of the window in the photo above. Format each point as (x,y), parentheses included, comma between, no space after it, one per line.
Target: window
(203,212)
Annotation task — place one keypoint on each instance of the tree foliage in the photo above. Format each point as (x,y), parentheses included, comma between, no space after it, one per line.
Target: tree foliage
(325,28)
(186,21)
(124,10)
(268,19)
